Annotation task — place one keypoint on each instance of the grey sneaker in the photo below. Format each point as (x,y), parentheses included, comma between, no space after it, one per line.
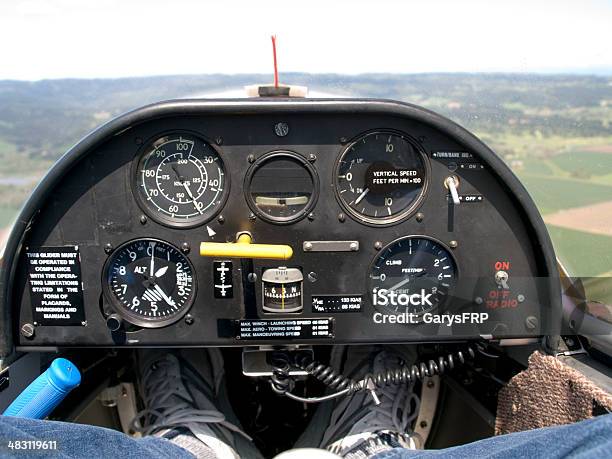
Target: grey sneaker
(181,392)
(358,427)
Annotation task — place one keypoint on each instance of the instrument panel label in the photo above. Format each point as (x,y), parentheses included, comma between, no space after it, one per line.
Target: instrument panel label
(56,288)
(223,279)
(300,329)
(328,304)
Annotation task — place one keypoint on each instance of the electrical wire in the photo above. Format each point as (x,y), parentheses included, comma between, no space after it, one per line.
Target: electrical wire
(283,383)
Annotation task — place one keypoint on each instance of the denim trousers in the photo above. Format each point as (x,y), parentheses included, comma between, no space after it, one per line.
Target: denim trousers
(21,437)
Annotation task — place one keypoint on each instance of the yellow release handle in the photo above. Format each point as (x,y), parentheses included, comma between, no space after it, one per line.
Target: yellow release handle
(243,248)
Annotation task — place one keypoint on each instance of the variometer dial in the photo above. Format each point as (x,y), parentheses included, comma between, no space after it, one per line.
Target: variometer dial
(149,282)
(180,180)
(381,177)
(414,274)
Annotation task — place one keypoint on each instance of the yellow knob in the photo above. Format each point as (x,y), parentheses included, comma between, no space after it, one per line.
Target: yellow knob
(243,248)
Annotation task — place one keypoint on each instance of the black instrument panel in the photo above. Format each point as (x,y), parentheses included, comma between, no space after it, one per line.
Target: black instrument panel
(279,170)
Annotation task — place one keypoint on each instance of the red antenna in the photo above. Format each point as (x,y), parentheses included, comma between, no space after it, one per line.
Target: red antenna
(275,63)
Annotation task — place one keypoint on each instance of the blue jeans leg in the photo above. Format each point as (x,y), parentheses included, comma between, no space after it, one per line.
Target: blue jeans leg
(19,437)
(587,439)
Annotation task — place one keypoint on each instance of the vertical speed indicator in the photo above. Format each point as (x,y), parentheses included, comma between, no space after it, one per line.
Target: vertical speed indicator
(180,180)
(413,274)
(381,177)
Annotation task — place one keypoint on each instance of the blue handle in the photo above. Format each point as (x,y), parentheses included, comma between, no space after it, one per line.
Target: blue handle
(46,391)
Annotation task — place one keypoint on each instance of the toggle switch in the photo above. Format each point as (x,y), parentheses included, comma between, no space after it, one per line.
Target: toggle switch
(452,184)
(501,279)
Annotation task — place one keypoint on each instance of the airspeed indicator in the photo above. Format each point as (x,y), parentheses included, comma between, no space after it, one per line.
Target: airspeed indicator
(180,180)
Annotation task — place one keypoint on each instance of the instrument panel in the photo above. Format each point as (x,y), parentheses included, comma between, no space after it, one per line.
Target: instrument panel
(366,221)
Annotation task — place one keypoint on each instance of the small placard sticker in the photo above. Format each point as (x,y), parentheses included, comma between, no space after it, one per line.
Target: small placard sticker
(327,304)
(56,288)
(223,279)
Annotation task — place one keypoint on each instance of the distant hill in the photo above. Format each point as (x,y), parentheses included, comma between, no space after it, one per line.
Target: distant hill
(42,119)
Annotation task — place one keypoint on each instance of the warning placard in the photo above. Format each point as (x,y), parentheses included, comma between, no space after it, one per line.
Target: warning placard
(56,290)
(284,329)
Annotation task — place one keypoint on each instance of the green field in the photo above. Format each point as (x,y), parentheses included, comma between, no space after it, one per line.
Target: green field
(7,215)
(588,257)
(569,179)
(552,193)
(583,254)
(584,163)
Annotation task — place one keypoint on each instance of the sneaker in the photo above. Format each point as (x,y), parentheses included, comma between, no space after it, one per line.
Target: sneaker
(179,390)
(358,426)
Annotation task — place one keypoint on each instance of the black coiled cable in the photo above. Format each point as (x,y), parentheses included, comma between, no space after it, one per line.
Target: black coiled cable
(282,382)
(325,374)
(422,370)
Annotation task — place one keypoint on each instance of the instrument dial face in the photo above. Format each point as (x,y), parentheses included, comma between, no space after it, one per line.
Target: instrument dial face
(180,180)
(413,274)
(149,282)
(281,187)
(381,178)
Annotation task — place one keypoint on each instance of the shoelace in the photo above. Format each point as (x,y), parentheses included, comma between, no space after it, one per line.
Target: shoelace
(168,407)
(396,408)
(394,412)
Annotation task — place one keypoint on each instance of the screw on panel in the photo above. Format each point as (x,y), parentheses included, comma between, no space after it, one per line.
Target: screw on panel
(430,383)
(531,323)
(281,129)
(311,216)
(108,248)
(138,141)
(378,245)
(343,140)
(453,244)
(252,277)
(221,219)
(251,158)
(520,298)
(478,300)
(419,217)
(143,219)
(219,140)
(27,331)
(312,276)
(423,424)
(189,320)
(185,247)
(341,217)
(354,246)
(252,216)
(307,246)
(312,157)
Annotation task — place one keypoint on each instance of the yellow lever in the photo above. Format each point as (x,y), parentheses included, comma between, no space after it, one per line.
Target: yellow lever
(243,248)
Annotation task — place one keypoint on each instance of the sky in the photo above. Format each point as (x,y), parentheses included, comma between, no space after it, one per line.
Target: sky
(41,39)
